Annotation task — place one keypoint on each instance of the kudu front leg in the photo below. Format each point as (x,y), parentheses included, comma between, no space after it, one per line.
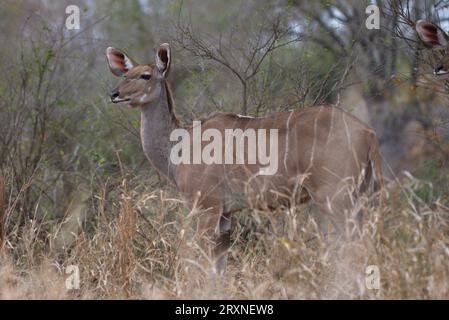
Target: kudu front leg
(215,233)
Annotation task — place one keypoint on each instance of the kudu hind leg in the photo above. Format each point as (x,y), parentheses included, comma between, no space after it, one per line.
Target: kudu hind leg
(215,232)
(222,244)
(337,206)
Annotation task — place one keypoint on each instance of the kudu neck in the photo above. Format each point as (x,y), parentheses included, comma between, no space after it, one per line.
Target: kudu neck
(158,120)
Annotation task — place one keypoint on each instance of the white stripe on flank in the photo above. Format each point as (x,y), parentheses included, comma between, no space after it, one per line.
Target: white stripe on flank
(287,141)
(348,135)
(315,127)
(331,127)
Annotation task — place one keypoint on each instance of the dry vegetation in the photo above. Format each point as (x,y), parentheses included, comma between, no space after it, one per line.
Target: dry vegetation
(139,245)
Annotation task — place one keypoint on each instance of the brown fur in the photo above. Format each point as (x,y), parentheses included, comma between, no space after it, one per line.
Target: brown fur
(324,154)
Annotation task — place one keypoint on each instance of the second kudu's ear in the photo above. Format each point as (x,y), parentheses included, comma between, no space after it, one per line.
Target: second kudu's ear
(118,61)
(431,34)
(163,59)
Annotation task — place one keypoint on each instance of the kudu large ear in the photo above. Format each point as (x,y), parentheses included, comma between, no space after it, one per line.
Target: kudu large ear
(431,34)
(118,61)
(163,59)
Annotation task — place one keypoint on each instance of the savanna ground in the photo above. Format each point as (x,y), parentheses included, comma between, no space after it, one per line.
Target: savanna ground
(79,191)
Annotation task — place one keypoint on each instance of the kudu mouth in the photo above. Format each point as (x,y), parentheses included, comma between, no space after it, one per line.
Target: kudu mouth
(439,70)
(118,100)
(115,97)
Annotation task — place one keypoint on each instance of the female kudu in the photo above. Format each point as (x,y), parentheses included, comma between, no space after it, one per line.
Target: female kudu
(325,154)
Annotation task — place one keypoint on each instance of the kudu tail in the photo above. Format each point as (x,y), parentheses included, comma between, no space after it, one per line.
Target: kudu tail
(373,174)
(377,165)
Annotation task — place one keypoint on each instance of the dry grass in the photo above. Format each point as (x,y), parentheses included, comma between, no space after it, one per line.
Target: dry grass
(140,245)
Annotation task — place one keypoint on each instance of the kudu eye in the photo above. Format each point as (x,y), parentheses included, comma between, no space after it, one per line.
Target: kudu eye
(145,76)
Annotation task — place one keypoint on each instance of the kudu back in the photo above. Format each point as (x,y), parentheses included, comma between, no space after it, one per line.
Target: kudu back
(324,154)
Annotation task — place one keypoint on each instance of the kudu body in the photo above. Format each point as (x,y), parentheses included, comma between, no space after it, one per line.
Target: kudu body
(324,154)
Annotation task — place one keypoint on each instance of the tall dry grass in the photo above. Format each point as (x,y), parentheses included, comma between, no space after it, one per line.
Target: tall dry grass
(142,245)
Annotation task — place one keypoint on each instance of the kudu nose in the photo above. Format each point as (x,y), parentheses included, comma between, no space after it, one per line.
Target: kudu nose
(438,68)
(114,94)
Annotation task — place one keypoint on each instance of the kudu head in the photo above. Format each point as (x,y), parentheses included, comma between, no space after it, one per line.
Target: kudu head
(437,40)
(142,83)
